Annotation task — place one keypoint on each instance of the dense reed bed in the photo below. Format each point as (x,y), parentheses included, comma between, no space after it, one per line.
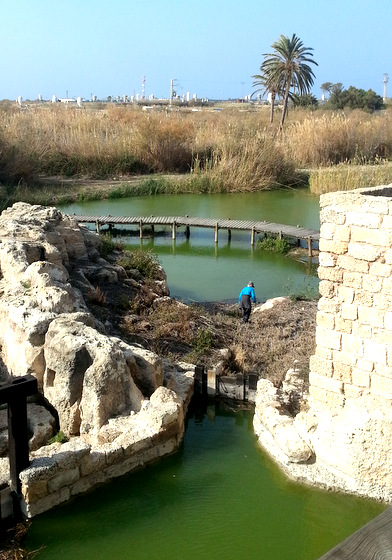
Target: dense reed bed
(227,150)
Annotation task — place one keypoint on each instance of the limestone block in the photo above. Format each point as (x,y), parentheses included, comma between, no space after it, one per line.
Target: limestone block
(364,252)
(63,479)
(327,259)
(328,338)
(326,320)
(345,294)
(365,365)
(388,320)
(380,269)
(362,331)
(352,264)
(342,372)
(388,256)
(376,237)
(382,336)
(331,305)
(349,311)
(375,352)
(353,279)
(327,231)
(382,301)
(51,501)
(332,216)
(342,233)
(372,283)
(327,289)
(371,316)
(387,286)
(383,370)
(335,247)
(386,222)
(347,358)
(381,386)
(93,462)
(321,366)
(364,298)
(343,325)
(40,468)
(325,401)
(71,454)
(326,383)
(353,392)
(352,345)
(325,353)
(361,378)
(363,219)
(331,274)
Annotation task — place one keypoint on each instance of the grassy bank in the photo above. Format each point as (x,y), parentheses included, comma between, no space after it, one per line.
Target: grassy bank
(234,149)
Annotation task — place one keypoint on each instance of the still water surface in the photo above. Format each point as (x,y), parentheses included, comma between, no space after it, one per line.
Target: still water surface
(219,497)
(199,270)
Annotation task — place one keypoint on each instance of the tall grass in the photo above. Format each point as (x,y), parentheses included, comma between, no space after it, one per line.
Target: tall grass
(346,177)
(229,150)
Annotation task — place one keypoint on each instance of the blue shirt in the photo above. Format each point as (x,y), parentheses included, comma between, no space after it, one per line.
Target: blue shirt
(247,291)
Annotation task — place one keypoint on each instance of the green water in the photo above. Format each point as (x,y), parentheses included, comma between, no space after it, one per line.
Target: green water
(219,497)
(198,269)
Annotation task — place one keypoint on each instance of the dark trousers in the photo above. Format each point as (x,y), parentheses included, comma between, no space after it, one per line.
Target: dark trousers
(245,314)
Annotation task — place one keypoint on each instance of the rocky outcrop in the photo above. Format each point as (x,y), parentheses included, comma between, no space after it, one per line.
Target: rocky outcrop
(110,396)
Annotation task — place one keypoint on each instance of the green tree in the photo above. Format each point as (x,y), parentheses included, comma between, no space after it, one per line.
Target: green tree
(288,69)
(266,87)
(307,100)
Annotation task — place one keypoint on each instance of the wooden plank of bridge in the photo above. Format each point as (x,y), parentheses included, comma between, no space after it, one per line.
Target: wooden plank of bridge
(371,542)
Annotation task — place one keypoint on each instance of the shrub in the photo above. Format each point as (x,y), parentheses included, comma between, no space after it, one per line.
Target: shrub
(274,244)
(145,262)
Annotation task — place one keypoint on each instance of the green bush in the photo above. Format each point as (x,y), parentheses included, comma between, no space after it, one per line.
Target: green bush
(274,244)
(145,262)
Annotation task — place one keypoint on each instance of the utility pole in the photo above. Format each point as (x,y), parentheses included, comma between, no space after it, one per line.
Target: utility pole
(385,87)
(143,87)
(172,92)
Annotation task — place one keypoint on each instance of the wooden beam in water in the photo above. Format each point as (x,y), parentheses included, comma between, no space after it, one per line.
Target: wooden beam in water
(372,541)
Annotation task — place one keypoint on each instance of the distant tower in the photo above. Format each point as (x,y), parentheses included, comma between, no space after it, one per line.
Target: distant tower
(19,100)
(143,87)
(39,97)
(385,87)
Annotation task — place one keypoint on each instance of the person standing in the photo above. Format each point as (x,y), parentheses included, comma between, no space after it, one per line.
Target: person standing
(247,295)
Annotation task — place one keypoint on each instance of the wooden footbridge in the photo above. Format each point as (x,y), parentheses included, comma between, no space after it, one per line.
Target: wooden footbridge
(174,222)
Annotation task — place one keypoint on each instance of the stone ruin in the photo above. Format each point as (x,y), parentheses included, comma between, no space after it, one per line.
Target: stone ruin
(120,405)
(342,437)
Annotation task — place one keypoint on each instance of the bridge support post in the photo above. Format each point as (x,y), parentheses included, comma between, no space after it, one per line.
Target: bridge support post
(141,229)
(97,227)
(216,232)
(309,247)
(187,232)
(229,234)
(174,230)
(252,236)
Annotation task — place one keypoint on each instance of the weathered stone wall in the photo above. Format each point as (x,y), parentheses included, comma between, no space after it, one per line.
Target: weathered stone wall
(342,437)
(354,321)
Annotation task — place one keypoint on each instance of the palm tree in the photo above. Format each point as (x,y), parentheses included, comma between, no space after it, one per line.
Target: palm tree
(287,68)
(266,87)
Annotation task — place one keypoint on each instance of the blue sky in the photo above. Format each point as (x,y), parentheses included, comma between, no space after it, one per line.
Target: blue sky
(210,47)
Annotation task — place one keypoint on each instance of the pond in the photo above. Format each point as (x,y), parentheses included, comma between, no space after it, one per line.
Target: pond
(198,269)
(219,497)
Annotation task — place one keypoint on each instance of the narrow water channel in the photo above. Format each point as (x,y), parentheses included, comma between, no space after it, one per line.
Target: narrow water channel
(219,497)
